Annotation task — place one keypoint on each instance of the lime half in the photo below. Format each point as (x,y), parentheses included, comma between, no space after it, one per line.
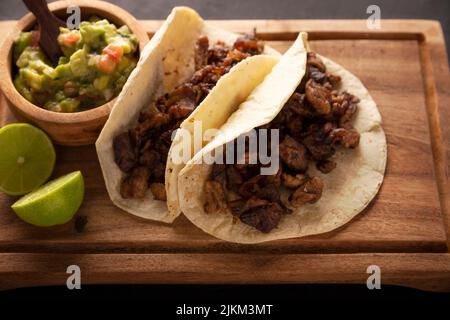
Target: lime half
(27,158)
(54,203)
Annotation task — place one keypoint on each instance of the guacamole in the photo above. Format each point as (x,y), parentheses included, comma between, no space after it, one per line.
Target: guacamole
(97,60)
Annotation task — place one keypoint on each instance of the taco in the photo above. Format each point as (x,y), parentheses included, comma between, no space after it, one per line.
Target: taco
(331,154)
(188,71)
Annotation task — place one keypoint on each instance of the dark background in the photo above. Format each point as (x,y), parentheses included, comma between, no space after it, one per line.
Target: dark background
(289,298)
(275,9)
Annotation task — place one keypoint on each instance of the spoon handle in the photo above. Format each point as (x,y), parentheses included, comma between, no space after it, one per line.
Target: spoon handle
(49,28)
(40,9)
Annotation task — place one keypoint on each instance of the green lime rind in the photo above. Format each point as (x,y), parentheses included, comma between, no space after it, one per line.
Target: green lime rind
(55,203)
(22,141)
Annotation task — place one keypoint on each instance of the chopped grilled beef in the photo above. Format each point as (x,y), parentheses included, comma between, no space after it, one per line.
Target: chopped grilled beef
(298,104)
(201,52)
(217,53)
(124,151)
(318,96)
(158,191)
(182,109)
(293,182)
(249,44)
(262,187)
(149,158)
(310,192)
(218,168)
(319,147)
(326,166)
(315,121)
(157,120)
(142,151)
(234,178)
(215,200)
(315,61)
(293,154)
(263,215)
(348,138)
(136,184)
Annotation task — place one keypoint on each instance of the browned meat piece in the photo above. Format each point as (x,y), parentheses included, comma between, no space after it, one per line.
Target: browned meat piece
(295,125)
(147,112)
(249,44)
(346,120)
(157,120)
(136,184)
(149,158)
(328,127)
(316,75)
(208,74)
(182,109)
(348,138)
(293,154)
(274,179)
(217,170)
(234,178)
(124,151)
(163,149)
(183,92)
(247,169)
(250,187)
(293,182)
(340,102)
(315,61)
(297,103)
(263,217)
(333,78)
(318,147)
(318,96)
(201,52)
(145,145)
(217,54)
(236,206)
(166,137)
(325,166)
(215,200)
(310,192)
(254,202)
(158,191)
(233,57)
(158,172)
(201,91)
(264,187)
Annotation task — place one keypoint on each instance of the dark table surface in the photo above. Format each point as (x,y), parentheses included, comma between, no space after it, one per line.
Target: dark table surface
(252,9)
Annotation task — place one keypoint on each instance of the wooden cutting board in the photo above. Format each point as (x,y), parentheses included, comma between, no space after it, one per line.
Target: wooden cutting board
(404,230)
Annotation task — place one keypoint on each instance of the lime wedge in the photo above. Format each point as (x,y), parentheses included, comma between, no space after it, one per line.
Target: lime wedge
(27,158)
(54,203)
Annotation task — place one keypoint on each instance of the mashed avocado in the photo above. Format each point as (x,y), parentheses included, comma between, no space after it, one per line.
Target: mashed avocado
(97,60)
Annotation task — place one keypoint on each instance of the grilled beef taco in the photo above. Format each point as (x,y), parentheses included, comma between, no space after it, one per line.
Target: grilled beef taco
(331,152)
(189,71)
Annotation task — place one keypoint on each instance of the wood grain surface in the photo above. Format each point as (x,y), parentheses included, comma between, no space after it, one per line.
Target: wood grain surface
(427,271)
(405,68)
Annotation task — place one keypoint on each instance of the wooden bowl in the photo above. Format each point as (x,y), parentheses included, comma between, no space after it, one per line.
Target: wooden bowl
(79,128)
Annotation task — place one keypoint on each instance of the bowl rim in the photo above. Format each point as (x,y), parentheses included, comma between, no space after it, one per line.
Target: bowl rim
(38,113)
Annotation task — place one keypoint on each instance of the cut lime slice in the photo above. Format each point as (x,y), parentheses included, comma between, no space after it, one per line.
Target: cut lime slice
(54,203)
(27,158)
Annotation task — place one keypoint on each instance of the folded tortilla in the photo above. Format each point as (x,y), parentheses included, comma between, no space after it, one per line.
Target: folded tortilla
(166,62)
(348,189)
